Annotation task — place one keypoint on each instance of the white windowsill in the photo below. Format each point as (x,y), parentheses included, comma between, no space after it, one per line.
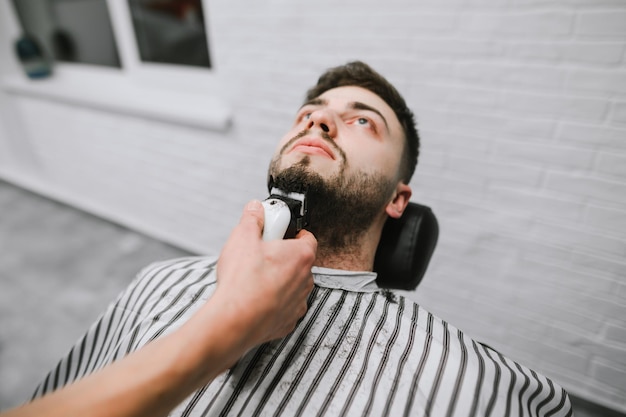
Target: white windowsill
(115,95)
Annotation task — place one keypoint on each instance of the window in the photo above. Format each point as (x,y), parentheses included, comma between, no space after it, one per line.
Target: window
(170,31)
(162,45)
(71,30)
(80,31)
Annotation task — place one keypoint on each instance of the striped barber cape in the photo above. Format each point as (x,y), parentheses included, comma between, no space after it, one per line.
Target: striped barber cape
(358,351)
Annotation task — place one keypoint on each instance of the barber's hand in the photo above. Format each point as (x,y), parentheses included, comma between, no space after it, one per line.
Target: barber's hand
(267,283)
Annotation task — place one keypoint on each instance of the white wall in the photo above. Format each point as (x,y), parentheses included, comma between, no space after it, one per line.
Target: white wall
(521,105)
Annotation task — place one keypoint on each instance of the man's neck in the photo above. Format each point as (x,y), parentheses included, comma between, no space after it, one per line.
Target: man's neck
(343,261)
(358,256)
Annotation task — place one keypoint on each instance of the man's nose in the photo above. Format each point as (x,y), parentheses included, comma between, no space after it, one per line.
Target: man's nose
(323,120)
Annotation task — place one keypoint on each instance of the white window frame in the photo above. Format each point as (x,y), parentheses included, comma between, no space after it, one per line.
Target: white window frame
(180,94)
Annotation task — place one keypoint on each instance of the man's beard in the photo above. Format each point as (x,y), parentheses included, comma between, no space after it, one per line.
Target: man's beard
(341,208)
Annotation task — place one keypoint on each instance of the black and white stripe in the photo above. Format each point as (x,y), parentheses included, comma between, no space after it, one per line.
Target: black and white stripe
(356,352)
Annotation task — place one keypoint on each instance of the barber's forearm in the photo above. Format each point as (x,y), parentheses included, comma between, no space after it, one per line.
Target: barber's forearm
(134,386)
(153,380)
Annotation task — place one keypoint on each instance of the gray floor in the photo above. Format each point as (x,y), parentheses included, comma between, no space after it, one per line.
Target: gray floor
(59,268)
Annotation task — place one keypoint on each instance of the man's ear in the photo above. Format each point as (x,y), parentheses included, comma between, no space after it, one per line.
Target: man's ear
(400,200)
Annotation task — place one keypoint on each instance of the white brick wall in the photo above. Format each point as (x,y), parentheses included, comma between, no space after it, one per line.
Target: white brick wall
(521,106)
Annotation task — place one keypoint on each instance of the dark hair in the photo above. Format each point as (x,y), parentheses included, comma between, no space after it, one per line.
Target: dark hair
(359,74)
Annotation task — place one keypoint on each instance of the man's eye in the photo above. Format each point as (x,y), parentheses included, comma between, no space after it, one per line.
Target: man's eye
(362,121)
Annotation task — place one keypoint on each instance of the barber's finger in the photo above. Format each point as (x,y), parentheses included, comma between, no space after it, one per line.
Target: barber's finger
(308,238)
(253,213)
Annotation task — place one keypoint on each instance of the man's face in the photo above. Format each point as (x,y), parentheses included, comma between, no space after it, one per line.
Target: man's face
(346,130)
(344,149)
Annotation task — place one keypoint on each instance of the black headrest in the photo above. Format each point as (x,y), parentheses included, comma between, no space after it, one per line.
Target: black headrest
(405,248)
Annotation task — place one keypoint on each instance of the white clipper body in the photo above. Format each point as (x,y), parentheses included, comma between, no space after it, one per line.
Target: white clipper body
(285,214)
(277,219)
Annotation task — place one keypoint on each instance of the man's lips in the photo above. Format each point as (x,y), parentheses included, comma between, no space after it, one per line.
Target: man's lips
(314,145)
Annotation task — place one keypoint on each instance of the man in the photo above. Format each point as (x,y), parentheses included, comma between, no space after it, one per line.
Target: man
(352,149)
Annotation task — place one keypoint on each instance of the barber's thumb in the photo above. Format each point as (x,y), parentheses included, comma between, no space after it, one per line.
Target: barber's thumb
(254,210)
(308,237)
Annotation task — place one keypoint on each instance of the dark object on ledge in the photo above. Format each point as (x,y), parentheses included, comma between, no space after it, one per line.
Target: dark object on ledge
(32,57)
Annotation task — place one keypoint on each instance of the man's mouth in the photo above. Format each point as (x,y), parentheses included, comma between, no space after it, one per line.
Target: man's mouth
(314,146)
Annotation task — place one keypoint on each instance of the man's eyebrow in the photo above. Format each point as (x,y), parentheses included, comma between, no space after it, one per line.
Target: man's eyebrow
(315,102)
(357,105)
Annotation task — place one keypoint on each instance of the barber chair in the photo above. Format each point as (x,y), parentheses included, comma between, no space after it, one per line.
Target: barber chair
(405,248)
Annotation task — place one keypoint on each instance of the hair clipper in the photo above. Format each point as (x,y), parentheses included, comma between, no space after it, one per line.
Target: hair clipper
(285,214)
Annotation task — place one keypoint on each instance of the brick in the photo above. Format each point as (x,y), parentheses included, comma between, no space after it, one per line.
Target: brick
(544,51)
(507,223)
(607,219)
(386,23)
(600,264)
(511,76)
(594,303)
(621,291)
(574,108)
(611,165)
(609,372)
(474,122)
(496,172)
(455,48)
(558,276)
(459,211)
(497,245)
(593,53)
(598,189)
(592,136)
(423,72)
(601,23)
(457,143)
(461,189)
(615,333)
(579,239)
(618,115)
(469,99)
(586,3)
(543,252)
(545,155)
(455,98)
(531,129)
(541,24)
(484,261)
(420,21)
(563,313)
(426,4)
(537,204)
(596,81)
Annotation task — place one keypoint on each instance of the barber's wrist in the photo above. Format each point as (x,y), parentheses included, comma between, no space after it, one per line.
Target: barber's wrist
(243,319)
(221,332)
